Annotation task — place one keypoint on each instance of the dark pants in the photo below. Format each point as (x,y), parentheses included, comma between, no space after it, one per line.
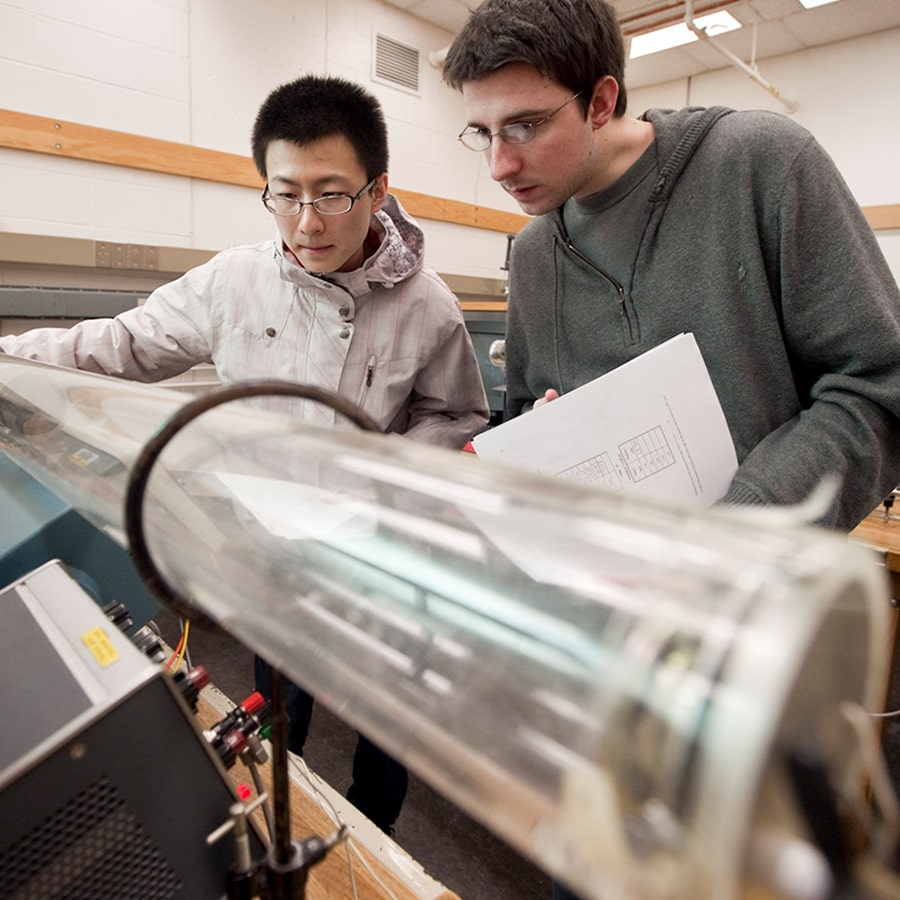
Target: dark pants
(562,893)
(379,781)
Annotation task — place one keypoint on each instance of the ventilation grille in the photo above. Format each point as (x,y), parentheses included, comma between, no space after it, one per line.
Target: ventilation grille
(396,64)
(90,848)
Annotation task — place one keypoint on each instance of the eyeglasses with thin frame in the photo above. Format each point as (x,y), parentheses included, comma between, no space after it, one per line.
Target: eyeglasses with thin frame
(328,205)
(515,133)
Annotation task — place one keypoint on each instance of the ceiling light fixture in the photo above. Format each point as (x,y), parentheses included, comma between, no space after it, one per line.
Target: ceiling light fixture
(676,35)
(811,4)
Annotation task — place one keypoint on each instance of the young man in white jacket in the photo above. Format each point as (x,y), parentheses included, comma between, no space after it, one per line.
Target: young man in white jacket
(340,299)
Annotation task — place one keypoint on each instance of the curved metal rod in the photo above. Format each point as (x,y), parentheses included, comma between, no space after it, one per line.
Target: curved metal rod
(143,466)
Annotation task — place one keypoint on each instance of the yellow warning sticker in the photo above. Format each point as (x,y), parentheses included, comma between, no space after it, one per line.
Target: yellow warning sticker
(100,646)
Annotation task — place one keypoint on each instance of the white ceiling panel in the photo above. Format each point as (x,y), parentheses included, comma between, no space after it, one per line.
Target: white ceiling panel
(658,68)
(782,26)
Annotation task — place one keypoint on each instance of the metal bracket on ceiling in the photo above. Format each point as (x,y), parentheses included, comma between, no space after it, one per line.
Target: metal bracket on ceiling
(750,70)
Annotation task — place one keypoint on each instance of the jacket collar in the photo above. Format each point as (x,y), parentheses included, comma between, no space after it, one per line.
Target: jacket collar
(398,255)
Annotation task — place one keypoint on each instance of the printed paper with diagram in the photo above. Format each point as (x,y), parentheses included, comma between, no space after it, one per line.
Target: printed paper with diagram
(654,426)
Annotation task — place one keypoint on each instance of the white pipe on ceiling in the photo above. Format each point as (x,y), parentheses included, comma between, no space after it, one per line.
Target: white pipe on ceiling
(752,71)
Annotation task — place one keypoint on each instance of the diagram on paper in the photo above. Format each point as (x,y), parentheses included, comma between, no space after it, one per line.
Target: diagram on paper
(647,454)
(598,470)
(642,457)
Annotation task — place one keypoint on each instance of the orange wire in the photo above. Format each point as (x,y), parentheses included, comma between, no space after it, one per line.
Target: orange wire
(178,652)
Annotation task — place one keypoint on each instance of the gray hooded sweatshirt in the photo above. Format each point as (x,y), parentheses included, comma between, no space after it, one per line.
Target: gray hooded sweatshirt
(749,238)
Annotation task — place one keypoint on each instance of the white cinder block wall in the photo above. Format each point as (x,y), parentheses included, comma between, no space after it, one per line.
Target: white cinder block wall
(195,71)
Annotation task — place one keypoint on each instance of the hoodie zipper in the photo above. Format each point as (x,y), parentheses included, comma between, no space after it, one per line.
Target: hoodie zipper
(623,308)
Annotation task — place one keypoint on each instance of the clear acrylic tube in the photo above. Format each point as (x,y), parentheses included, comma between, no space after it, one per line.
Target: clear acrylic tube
(610,684)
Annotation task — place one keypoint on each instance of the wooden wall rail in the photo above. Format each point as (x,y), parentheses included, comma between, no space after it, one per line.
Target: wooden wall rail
(38,134)
(22,131)
(883,218)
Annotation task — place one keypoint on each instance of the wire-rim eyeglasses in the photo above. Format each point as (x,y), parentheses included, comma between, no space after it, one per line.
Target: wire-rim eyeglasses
(515,133)
(329,205)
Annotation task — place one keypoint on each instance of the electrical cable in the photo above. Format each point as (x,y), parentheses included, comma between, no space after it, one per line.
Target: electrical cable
(175,660)
(328,808)
(351,845)
(151,451)
(187,647)
(299,763)
(171,661)
(260,790)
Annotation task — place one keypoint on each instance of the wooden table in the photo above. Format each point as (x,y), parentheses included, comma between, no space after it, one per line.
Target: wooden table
(882,535)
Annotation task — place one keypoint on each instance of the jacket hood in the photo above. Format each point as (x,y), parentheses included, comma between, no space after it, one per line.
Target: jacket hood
(678,134)
(399,255)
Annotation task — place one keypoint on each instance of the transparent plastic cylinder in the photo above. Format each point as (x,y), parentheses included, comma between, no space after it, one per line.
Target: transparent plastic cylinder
(608,683)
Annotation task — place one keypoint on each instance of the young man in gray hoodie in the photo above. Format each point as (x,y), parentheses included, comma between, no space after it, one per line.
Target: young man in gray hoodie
(735,226)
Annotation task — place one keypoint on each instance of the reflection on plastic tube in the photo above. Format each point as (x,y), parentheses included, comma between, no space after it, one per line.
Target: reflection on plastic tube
(609,684)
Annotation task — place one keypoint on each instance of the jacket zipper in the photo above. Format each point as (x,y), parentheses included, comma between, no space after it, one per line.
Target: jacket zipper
(367,381)
(623,308)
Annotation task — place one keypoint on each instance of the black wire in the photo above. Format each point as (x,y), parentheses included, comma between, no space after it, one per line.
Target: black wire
(140,473)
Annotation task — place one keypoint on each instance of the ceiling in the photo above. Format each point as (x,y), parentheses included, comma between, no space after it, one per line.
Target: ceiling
(772,28)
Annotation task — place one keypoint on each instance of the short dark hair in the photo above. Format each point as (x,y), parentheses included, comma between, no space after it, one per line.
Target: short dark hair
(315,107)
(574,42)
